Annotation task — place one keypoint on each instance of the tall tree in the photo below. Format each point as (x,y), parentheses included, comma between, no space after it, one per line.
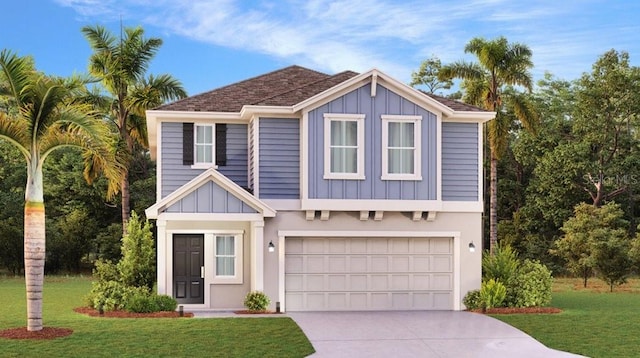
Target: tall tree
(120,64)
(427,76)
(49,115)
(500,64)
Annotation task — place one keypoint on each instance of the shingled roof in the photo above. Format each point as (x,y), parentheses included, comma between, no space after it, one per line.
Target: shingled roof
(284,87)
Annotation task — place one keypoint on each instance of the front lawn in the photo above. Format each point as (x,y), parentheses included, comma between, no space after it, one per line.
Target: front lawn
(594,322)
(141,337)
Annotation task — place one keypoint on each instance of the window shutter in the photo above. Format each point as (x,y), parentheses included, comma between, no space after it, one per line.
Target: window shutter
(221,144)
(187,143)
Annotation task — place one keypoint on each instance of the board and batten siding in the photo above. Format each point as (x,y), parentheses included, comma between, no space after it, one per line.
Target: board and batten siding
(460,161)
(360,101)
(175,174)
(279,158)
(210,198)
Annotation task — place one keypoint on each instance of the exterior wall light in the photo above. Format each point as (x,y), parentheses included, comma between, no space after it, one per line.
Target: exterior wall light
(272,247)
(472,247)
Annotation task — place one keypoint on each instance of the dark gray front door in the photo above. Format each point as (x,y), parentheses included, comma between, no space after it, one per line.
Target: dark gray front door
(188,268)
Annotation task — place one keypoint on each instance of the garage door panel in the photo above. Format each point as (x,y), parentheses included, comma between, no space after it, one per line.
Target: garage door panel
(337,263)
(400,264)
(368,274)
(442,263)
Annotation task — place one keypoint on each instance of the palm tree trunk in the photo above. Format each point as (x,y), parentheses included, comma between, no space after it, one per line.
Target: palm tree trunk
(126,208)
(493,206)
(34,246)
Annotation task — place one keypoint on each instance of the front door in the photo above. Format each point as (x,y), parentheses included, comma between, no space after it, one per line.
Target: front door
(188,268)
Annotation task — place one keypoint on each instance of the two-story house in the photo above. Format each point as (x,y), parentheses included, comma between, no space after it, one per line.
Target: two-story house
(327,192)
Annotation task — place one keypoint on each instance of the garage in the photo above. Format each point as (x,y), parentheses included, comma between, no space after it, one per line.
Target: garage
(359,273)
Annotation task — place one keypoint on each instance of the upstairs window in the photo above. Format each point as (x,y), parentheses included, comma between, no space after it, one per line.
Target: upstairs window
(343,146)
(204,145)
(401,147)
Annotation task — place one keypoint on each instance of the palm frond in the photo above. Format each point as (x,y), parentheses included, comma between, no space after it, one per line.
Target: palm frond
(16,132)
(15,73)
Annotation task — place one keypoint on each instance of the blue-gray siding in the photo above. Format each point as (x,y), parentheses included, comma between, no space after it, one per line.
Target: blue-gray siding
(175,174)
(360,101)
(460,161)
(210,198)
(279,158)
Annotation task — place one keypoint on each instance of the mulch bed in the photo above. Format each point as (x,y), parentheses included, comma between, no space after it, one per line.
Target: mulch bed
(518,310)
(124,314)
(45,333)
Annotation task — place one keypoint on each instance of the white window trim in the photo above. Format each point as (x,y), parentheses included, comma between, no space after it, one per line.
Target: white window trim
(203,165)
(417,142)
(359,119)
(238,265)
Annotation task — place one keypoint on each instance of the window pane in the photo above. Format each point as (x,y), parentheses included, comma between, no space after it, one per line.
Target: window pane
(344,160)
(225,266)
(344,133)
(401,161)
(204,153)
(400,134)
(225,245)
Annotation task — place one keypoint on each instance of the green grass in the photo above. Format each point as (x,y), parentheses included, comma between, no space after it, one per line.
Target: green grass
(148,337)
(594,322)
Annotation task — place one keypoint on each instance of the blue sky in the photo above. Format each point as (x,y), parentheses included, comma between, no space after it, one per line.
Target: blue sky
(211,43)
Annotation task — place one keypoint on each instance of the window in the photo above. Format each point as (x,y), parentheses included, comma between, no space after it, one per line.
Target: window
(401,147)
(204,145)
(228,259)
(343,146)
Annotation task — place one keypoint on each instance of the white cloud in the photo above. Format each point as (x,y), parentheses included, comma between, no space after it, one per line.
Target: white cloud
(334,35)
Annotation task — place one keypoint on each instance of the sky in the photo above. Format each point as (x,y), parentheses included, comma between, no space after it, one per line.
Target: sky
(211,43)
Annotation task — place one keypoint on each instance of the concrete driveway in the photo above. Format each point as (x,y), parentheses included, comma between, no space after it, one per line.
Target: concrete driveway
(416,334)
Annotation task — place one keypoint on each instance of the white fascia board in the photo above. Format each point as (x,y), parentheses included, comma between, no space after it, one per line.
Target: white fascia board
(361,233)
(208,217)
(391,205)
(195,116)
(249,111)
(470,116)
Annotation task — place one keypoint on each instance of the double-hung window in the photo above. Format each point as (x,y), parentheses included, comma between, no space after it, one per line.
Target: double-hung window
(204,147)
(343,146)
(228,259)
(401,147)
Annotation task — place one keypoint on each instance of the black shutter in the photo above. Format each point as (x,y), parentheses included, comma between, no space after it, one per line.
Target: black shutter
(187,143)
(221,144)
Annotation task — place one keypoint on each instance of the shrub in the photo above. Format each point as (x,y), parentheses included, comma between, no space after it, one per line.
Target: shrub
(492,293)
(472,300)
(502,266)
(141,302)
(166,303)
(138,266)
(256,301)
(531,286)
(112,295)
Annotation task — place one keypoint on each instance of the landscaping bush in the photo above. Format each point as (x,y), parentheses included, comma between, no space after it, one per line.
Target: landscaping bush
(166,303)
(256,301)
(501,266)
(472,300)
(531,286)
(492,293)
(141,302)
(112,295)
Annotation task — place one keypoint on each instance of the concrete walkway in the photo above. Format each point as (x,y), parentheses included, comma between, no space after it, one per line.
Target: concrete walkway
(417,334)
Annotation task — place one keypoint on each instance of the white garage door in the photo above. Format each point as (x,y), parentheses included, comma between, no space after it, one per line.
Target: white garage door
(333,274)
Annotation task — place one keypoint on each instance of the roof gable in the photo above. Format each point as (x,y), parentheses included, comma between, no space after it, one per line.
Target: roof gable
(238,200)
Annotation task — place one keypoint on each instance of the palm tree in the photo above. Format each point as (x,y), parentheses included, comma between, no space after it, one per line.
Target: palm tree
(500,64)
(120,64)
(45,114)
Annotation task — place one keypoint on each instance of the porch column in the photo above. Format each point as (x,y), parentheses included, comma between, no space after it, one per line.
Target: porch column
(161,258)
(257,256)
